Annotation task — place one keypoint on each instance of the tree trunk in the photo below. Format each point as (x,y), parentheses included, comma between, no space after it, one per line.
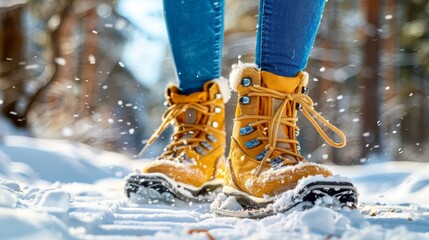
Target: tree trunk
(12,74)
(370,79)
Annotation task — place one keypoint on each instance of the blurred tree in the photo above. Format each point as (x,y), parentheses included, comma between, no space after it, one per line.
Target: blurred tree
(12,53)
(62,75)
(370,78)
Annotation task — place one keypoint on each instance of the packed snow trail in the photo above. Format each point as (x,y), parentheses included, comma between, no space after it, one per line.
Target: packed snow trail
(94,206)
(100,211)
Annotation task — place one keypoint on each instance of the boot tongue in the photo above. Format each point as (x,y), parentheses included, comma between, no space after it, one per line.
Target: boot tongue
(190,116)
(280,133)
(284,85)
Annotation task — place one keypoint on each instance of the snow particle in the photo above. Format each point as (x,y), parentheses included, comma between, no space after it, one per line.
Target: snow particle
(67,132)
(60,61)
(31,66)
(322,69)
(131,131)
(91,59)
(120,24)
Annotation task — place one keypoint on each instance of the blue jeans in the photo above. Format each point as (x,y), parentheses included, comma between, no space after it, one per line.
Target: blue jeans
(286,33)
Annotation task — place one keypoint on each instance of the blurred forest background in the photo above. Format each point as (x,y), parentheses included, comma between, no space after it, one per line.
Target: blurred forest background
(95,72)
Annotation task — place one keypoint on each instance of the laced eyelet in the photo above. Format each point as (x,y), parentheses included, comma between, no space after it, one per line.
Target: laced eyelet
(261,155)
(245,100)
(245,82)
(305,90)
(296,133)
(253,143)
(276,161)
(207,145)
(211,138)
(246,130)
(183,156)
(200,150)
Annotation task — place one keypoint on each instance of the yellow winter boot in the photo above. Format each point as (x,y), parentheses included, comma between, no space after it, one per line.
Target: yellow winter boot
(191,168)
(264,159)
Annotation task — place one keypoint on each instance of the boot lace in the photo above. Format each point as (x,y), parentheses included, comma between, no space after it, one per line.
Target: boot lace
(274,122)
(194,132)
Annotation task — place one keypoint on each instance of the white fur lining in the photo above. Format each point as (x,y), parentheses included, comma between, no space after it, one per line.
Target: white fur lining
(224,89)
(305,78)
(237,70)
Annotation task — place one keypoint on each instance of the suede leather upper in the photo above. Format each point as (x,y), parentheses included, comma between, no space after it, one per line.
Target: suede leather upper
(244,171)
(197,115)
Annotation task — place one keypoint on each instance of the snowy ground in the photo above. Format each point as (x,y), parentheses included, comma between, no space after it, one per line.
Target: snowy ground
(61,190)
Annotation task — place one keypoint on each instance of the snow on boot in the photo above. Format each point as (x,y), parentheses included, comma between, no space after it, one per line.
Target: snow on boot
(264,162)
(191,168)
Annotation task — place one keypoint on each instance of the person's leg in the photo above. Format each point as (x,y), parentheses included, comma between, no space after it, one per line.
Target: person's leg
(195,30)
(191,166)
(286,34)
(264,159)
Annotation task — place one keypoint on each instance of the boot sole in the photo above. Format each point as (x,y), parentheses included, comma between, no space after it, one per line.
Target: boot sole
(155,188)
(342,194)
